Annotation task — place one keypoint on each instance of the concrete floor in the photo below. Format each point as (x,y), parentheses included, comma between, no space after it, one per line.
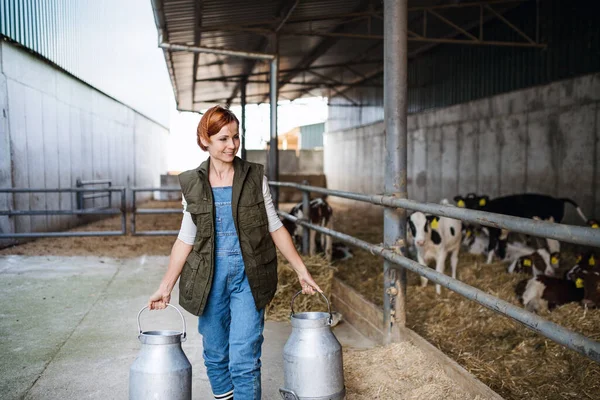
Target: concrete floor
(68,328)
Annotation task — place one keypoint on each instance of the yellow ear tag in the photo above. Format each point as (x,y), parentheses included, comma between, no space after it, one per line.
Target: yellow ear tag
(481,202)
(527,262)
(468,233)
(554,260)
(592,261)
(595,226)
(461,203)
(578,259)
(579,283)
(434,224)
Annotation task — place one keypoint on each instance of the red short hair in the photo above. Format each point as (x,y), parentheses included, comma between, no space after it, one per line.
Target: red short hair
(213,120)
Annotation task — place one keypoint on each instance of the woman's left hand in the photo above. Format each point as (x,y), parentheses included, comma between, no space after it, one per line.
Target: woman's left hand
(308,284)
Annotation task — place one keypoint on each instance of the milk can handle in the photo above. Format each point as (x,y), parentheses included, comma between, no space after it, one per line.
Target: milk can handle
(170,305)
(325,297)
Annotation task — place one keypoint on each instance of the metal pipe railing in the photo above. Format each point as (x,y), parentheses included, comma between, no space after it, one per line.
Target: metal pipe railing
(135,211)
(60,190)
(104,192)
(568,233)
(79,212)
(555,332)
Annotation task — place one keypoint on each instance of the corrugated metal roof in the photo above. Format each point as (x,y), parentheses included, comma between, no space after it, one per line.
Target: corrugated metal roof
(317,34)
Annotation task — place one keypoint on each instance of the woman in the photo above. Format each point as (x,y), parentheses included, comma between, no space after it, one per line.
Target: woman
(225,258)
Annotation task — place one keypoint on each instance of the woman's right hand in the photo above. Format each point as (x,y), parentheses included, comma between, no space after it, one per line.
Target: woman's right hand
(159,300)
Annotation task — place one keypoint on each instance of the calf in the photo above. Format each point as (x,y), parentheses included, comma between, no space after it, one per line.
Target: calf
(540,262)
(526,205)
(434,238)
(581,261)
(341,252)
(471,201)
(544,292)
(319,213)
(476,241)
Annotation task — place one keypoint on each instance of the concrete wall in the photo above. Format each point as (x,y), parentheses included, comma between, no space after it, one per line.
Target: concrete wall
(544,139)
(55,129)
(290,161)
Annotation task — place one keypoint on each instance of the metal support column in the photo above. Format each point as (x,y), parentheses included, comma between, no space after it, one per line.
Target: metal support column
(243,122)
(394,100)
(273,153)
(306,213)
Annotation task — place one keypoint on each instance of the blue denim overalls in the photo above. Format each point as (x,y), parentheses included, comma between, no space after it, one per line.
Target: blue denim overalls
(231,327)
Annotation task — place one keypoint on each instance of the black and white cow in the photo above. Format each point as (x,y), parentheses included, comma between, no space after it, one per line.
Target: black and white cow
(476,240)
(540,262)
(435,237)
(528,205)
(320,213)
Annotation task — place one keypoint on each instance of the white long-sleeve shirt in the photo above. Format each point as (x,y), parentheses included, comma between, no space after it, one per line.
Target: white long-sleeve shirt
(187,232)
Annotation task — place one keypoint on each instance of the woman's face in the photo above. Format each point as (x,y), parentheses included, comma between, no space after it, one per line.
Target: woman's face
(224,145)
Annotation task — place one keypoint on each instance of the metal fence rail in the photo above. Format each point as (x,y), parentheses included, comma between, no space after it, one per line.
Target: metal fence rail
(79,192)
(573,234)
(559,334)
(101,193)
(136,211)
(568,233)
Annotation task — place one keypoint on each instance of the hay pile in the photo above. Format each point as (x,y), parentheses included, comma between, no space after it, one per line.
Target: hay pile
(397,371)
(322,273)
(511,359)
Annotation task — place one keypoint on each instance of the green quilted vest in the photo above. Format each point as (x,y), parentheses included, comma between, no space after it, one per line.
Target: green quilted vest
(250,218)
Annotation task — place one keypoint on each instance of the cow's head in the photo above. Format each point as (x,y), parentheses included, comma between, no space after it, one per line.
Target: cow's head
(586,275)
(524,264)
(469,232)
(593,223)
(424,228)
(471,201)
(555,260)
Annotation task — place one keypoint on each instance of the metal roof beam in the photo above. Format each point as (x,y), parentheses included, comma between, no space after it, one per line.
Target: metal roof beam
(321,48)
(312,67)
(365,54)
(311,83)
(452,24)
(475,42)
(462,5)
(482,20)
(212,50)
(446,39)
(507,22)
(286,10)
(335,81)
(267,24)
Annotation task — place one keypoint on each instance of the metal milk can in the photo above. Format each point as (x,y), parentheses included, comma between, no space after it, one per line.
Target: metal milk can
(161,370)
(312,358)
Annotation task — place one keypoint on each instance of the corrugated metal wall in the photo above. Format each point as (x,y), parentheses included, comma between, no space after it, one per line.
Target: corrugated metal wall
(453,74)
(55,129)
(86,38)
(311,136)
